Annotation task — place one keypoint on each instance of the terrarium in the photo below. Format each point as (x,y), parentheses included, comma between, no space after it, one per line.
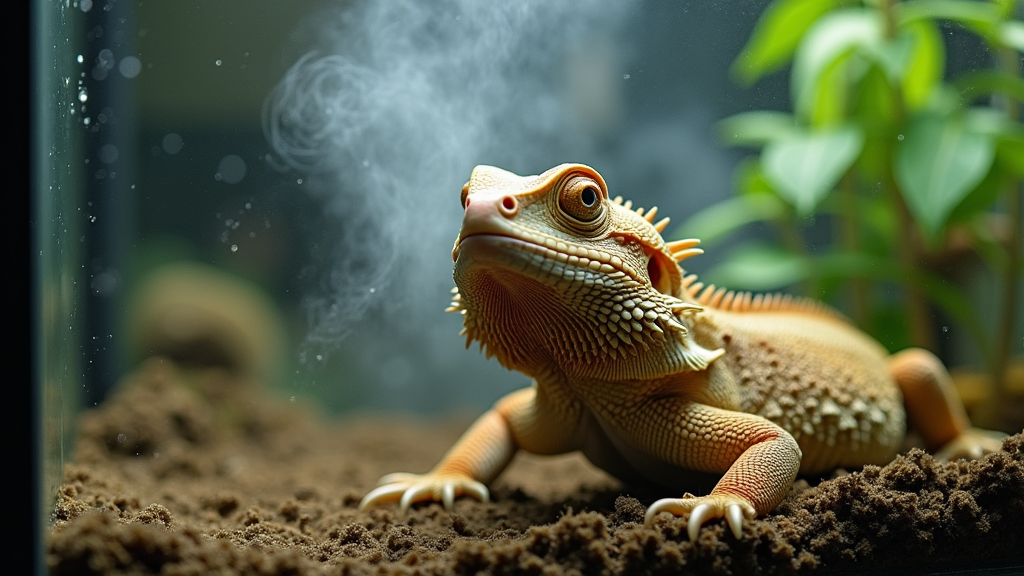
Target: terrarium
(243,219)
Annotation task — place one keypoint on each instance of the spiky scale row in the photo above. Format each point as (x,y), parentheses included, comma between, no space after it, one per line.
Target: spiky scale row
(683,249)
(733,301)
(456,304)
(647,214)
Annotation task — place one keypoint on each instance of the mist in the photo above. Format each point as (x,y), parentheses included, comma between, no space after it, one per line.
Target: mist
(384,118)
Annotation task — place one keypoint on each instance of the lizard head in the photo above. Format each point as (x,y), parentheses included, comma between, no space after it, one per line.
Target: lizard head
(551,271)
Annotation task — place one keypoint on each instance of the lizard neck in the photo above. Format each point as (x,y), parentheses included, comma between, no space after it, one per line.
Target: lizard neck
(588,330)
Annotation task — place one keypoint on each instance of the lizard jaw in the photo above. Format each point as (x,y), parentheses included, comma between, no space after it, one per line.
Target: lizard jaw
(547,256)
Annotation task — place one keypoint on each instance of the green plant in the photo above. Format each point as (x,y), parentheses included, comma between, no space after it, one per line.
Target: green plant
(909,167)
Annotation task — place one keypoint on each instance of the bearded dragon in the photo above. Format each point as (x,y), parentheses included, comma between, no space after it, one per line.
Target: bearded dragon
(650,373)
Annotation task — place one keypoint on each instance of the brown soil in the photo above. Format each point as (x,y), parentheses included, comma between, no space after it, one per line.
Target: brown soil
(196,471)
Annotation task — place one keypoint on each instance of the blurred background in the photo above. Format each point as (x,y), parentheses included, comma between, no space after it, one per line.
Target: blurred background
(318,150)
(309,155)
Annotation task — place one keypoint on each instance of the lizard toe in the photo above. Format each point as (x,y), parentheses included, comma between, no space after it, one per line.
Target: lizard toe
(415,493)
(408,489)
(734,517)
(973,444)
(381,494)
(704,508)
(697,518)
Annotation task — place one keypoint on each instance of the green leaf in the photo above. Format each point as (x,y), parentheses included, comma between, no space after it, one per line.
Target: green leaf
(805,169)
(981,197)
(759,267)
(938,163)
(776,36)
(1011,154)
(925,65)
(750,181)
(847,265)
(992,122)
(979,14)
(756,128)
(974,85)
(1006,7)
(1011,34)
(723,218)
(874,108)
(828,105)
(831,39)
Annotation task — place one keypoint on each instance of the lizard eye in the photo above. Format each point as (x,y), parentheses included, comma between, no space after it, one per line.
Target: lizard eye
(465,194)
(580,199)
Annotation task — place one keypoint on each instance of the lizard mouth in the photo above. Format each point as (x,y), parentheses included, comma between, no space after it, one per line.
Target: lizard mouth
(546,255)
(493,248)
(481,239)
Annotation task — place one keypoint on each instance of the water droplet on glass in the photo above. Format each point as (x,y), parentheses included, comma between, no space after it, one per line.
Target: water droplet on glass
(130,66)
(172,143)
(121,437)
(218,62)
(105,284)
(319,357)
(299,181)
(80,59)
(945,329)
(234,247)
(625,76)
(105,59)
(231,169)
(900,137)
(83,96)
(292,399)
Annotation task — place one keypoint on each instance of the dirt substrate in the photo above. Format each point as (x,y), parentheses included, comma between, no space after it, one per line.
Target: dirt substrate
(196,472)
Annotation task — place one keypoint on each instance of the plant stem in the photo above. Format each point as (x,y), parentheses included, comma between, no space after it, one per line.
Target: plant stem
(1011,277)
(850,241)
(922,333)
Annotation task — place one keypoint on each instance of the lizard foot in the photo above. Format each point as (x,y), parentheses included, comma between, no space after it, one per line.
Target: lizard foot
(972,444)
(703,508)
(410,488)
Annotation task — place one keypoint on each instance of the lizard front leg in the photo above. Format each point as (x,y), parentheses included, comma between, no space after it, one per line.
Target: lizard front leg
(759,460)
(522,419)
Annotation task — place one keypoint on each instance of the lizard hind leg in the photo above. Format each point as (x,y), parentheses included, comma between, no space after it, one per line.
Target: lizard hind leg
(935,410)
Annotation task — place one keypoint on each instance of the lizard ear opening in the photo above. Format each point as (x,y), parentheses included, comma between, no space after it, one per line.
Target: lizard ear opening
(660,277)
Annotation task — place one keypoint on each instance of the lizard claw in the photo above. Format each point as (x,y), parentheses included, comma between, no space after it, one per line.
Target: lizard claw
(701,509)
(408,489)
(972,444)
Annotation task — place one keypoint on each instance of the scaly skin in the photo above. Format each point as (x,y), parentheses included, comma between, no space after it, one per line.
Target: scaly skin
(649,373)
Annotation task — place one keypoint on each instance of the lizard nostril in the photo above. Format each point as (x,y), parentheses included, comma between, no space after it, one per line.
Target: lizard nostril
(509,206)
